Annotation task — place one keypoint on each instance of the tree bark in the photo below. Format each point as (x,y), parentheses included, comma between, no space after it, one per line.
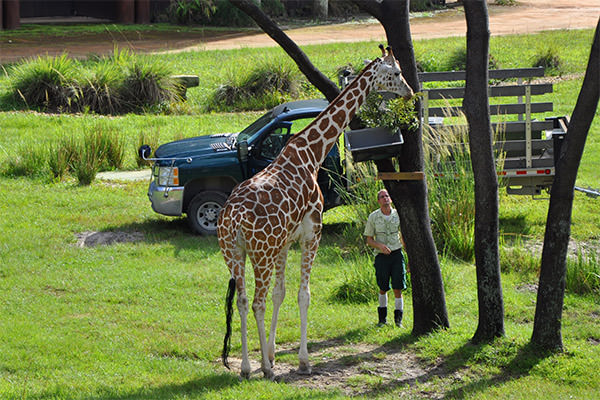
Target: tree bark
(547,334)
(476,108)
(314,76)
(410,197)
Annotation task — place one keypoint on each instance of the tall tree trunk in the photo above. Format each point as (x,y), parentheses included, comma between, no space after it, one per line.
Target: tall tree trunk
(548,312)
(476,108)
(410,197)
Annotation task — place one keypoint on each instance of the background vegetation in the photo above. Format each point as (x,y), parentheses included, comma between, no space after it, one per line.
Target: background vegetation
(143,319)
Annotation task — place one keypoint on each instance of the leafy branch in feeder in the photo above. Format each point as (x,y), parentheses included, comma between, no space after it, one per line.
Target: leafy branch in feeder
(394,114)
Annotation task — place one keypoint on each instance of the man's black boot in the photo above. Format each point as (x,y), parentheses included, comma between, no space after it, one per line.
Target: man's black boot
(398,318)
(382,311)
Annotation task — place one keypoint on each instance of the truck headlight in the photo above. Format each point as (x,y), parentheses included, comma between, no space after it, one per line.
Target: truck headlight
(167,176)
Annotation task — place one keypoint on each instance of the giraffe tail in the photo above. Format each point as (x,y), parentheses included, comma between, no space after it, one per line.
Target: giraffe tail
(228,315)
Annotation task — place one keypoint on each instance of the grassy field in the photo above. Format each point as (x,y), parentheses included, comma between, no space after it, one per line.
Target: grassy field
(145,320)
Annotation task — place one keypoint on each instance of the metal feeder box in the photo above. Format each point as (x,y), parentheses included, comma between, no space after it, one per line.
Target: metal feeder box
(373,144)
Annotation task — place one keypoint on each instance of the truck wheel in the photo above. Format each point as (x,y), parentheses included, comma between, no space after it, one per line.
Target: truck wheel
(203,212)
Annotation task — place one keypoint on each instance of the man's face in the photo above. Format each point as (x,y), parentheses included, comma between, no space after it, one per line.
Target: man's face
(383,198)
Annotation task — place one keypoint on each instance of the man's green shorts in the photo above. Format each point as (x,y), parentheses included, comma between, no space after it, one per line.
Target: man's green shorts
(390,267)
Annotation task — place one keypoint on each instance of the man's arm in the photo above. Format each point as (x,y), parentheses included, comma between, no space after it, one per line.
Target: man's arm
(377,245)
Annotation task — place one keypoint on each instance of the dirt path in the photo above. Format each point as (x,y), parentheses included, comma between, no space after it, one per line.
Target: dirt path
(527,17)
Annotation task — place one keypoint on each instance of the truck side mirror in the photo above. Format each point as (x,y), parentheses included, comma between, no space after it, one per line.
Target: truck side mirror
(242,150)
(144,151)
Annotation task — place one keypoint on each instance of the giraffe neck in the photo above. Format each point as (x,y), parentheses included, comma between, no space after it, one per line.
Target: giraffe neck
(310,147)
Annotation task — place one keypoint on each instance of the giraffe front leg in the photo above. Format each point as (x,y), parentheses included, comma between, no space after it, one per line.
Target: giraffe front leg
(278,296)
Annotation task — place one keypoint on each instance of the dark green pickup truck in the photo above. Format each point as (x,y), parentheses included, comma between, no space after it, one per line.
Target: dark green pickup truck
(195,176)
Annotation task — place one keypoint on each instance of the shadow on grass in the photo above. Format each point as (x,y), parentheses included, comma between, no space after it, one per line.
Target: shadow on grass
(448,370)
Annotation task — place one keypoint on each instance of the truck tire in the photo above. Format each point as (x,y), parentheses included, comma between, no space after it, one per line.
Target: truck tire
(203,212)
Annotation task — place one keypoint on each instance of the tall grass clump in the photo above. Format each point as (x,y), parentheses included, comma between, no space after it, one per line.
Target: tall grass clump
(90,157)
(583,273)
(46,83)
(61,156)
(100,89)
(28,161)
(451,189)
(358,284)
(550,60)
(151,138)
(266,86)
(149,84)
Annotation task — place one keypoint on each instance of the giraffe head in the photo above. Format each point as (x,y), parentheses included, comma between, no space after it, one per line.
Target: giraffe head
(388,75)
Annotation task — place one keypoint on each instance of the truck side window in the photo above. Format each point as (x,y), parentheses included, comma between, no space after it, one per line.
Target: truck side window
(273,143)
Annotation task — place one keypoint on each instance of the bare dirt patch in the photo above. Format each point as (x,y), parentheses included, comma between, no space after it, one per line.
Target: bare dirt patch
(352,369)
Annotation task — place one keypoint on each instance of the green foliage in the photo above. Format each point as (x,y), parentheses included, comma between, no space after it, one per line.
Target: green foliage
(217,12)
(114,85)
(266,86)
(61,155)
(188,12)
(451,189)
(151,138)
(458,60)
(515,257)
(583,273)
(505,2)
(358,284)
(550,60)
(394,114)
(28,161)
(46,82)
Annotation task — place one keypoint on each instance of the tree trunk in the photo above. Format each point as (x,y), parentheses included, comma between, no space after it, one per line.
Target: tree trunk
(314,76)
(476,108)
(410,197)
(320,8)
(548,312)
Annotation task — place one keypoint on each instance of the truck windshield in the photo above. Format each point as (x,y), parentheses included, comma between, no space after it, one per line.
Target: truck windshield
(257,125)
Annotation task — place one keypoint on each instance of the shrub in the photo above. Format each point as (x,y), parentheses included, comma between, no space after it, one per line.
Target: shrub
(458,60)
(46,83)
(148,84)
(264,87)
(550,60)
(100,89)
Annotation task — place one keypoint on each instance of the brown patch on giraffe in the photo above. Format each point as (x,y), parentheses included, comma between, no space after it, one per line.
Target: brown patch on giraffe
(323,124)
(313,135)
(362,84)
(339,117)
(331,132)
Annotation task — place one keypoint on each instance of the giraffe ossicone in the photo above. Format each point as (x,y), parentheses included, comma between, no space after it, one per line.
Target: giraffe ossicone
(283,204)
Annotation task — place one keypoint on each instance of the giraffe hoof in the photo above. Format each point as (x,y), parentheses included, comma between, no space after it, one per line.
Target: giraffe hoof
(304,369)
(269,375)
(244,375)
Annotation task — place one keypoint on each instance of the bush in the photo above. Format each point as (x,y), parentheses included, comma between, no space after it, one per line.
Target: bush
(550,60)
(217,12)
(61,156)
(46,83)
(114,85)
(264,87)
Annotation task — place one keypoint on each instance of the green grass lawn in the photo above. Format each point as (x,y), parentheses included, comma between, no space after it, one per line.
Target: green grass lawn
(145,319)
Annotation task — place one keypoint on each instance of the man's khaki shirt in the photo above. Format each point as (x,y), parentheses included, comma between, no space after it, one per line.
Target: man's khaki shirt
(384,230)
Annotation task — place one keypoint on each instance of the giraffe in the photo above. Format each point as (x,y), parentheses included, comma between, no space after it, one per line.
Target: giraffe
(283,204)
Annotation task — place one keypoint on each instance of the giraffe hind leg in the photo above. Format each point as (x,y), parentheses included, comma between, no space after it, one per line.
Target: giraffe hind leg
(278,296)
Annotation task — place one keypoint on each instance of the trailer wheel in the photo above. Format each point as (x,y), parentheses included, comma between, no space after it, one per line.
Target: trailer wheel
(203,212)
